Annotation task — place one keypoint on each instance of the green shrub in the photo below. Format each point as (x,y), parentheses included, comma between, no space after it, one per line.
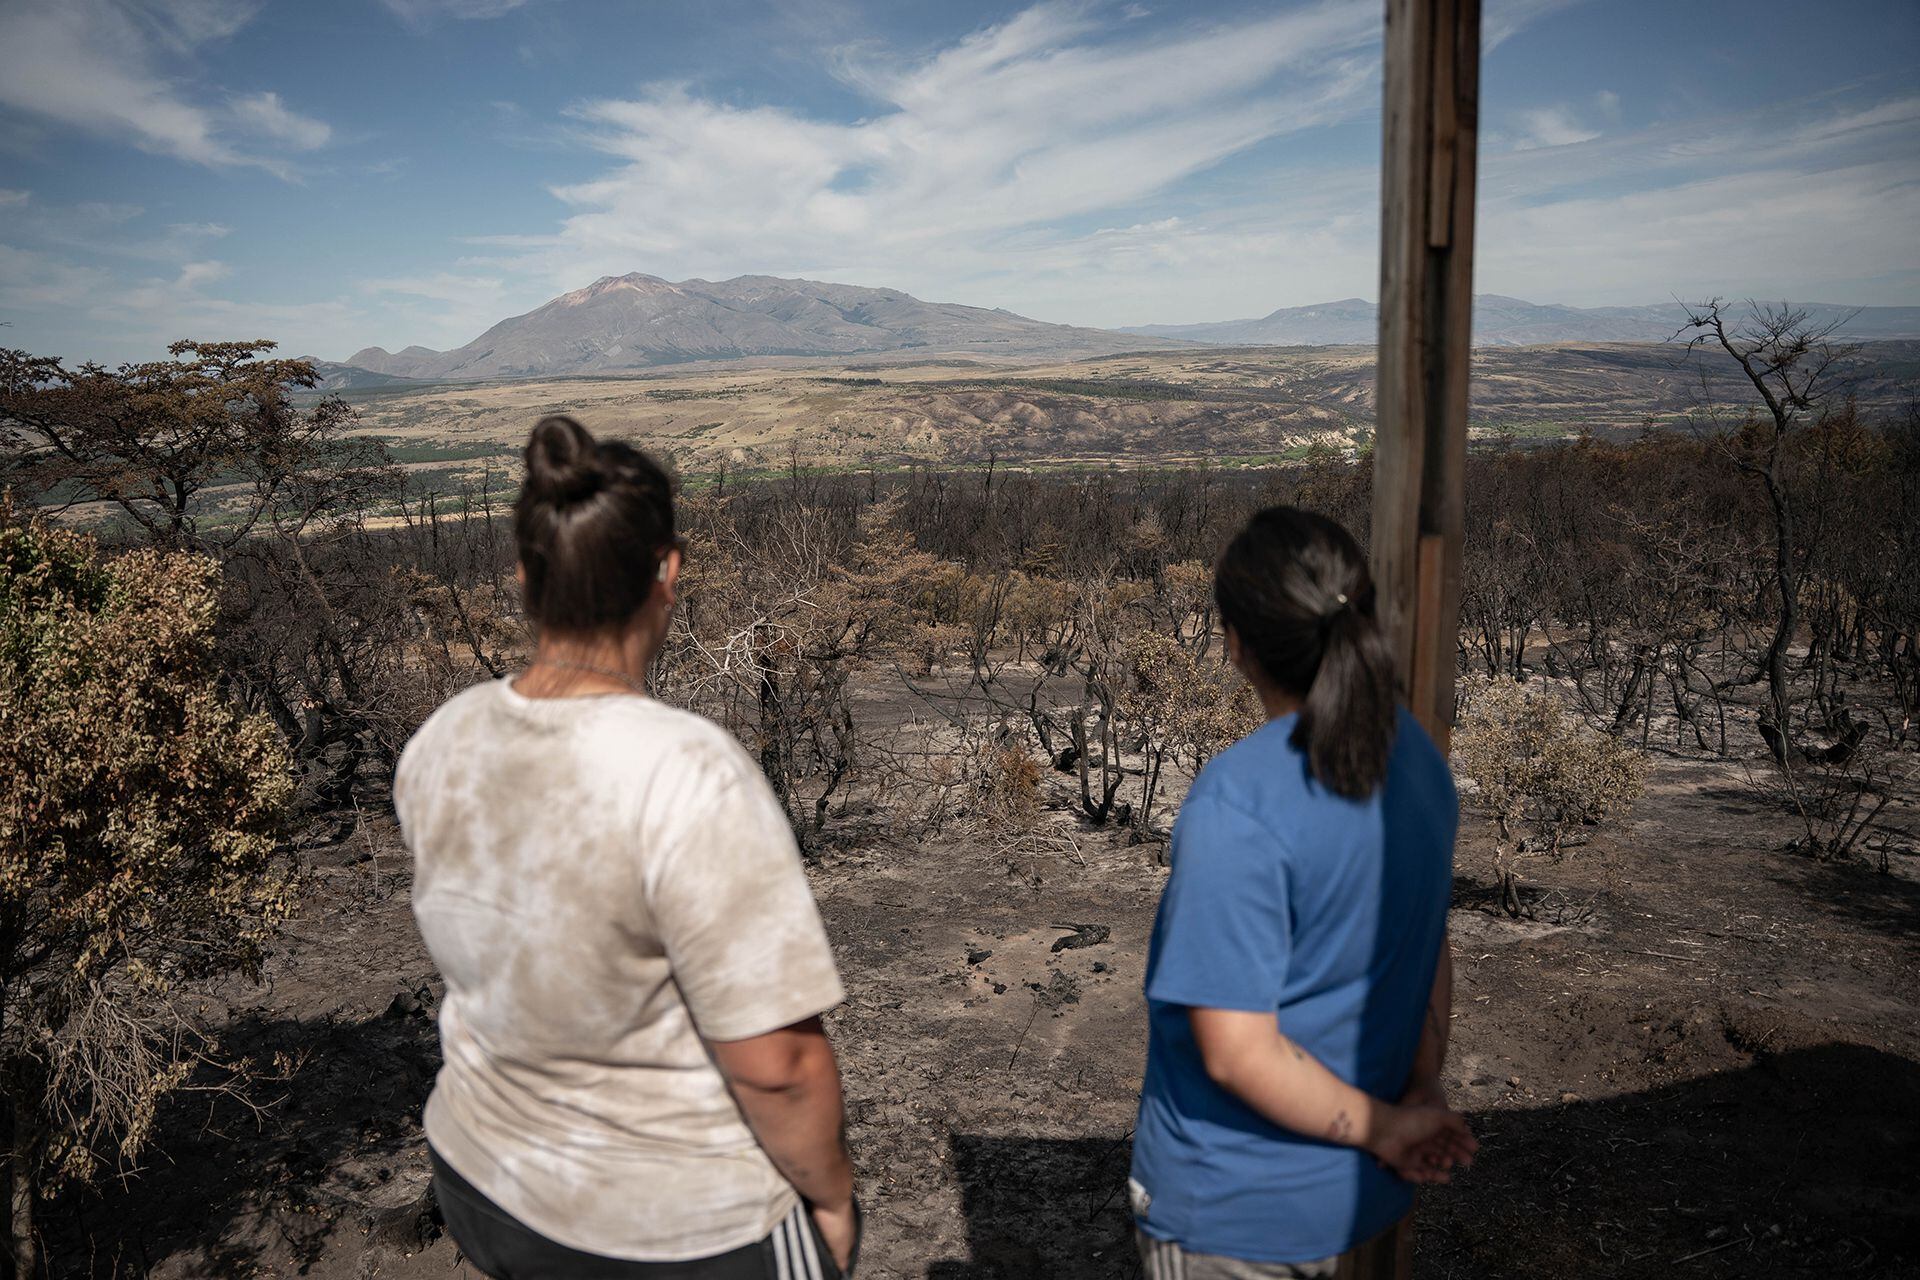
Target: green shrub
(139,818)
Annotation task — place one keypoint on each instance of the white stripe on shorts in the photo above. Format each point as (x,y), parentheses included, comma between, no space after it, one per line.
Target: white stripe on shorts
(1165,1261)
(804,1230)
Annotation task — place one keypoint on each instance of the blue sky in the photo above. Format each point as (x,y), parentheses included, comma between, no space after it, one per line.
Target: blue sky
(342,173)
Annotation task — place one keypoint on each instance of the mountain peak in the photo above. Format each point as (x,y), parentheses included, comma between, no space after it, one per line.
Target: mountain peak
(408,362)
(633,281)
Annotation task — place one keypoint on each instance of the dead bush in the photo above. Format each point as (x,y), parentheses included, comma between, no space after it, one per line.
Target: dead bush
(1184,706)
(1008,784)
(1841,793)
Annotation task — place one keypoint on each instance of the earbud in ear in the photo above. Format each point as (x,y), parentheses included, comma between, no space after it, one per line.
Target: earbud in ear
(661,572)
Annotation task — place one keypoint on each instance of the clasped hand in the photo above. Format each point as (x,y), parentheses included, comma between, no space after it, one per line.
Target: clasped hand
(1423,1140)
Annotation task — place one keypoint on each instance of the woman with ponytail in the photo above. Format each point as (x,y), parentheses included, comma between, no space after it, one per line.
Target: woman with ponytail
(635,1084)
(1298,982)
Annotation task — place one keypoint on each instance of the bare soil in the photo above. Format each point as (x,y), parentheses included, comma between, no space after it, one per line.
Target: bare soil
(1701,1059)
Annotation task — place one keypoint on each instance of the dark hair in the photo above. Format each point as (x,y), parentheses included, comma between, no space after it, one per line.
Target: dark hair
(1295,588)
(593,521)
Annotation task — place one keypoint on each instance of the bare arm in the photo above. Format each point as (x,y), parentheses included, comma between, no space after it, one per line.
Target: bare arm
(1246,1054)
(1424,1082)
(788,1087)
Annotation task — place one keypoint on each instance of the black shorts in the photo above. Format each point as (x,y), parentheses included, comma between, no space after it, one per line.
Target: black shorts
(499,1244)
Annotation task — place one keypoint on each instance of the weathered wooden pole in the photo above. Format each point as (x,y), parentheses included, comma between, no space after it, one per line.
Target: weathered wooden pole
(1426,309)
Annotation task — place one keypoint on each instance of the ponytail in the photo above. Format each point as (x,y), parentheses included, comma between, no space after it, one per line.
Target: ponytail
(1295,588)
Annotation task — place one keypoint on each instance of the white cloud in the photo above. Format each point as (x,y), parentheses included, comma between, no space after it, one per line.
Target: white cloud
(103,229)
(81,311)
(30,280)
(1767,232)
(444,286)
(85,312)
(1788,139)
(102,213)
(1038,120)
(266,115)
(187,24)
(419,13)
(95,65)
(1501,20)
(1227,263)
(195,274)
(10,197)
(1561,124)
(1057,164)
(1552,127)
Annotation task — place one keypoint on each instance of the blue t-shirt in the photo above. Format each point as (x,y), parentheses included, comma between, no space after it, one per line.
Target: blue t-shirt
(1327,912)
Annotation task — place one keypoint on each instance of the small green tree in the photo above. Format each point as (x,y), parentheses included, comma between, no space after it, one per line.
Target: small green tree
(139,816)
(1539,770)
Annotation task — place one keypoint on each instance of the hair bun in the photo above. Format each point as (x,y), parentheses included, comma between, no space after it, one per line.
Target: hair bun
(563,461)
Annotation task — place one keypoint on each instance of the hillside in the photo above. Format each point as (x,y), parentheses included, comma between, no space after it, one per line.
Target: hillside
(639,321)
(335,376)
(1507,322)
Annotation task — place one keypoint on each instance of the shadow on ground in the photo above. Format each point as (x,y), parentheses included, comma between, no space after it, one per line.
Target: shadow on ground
(1858,896)
(1803,1162)
(234,1190)
(1042,1207)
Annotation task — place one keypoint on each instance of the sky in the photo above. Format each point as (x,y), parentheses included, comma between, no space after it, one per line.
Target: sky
(334,174)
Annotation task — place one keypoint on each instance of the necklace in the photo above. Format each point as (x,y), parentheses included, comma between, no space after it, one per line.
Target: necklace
(638,686)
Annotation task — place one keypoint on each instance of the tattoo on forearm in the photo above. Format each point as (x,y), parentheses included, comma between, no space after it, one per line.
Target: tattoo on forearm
(1341,1129)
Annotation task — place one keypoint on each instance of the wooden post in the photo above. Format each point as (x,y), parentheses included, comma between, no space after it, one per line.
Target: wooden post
(1426,310)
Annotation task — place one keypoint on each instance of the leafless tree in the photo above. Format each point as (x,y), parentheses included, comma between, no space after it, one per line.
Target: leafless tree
(1791,364)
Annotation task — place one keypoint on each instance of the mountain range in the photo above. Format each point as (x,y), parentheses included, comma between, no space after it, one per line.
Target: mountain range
(621,324)
(1508,322)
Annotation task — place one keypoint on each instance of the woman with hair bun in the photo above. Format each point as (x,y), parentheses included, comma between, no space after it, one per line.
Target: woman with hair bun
(636,1082)
(1298,981)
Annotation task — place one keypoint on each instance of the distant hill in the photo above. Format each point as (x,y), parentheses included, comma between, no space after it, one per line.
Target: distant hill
(622,323)
(335,376)
(1507,322)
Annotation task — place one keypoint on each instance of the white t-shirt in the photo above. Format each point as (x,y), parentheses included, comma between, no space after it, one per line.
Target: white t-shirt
(605,883)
